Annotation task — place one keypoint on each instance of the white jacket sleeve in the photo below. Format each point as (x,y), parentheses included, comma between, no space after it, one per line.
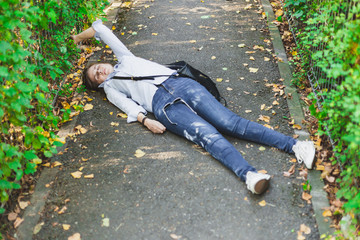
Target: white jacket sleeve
(127,105)
(104,34)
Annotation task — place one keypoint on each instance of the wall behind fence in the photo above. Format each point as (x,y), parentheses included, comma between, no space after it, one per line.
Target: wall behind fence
(35,53)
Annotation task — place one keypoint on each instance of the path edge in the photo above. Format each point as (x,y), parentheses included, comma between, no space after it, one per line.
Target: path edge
(319,196)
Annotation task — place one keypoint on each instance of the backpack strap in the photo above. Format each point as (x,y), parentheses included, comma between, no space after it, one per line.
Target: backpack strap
(140,78)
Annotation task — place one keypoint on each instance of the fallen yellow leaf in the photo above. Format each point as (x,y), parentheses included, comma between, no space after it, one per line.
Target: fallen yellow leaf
(219,79)
(76,174)
(320,167)
(139,153)
(114,124)
(62,210)
(65,105)
(247,7)
(56,163)
(275,102)
(300,236)
(18,221)
(75,236)
(122,115)
(46,164)
(174,236)
(262,203)
(90,176)
(262,171)
(306,196)
(23,205)
(88,106)
(268,126)
(264,118)
(279,12)
(105,222)
(38,227)
(327,213)
(305,229)
(290,171)
(253,70)
(82,130)
(66,227)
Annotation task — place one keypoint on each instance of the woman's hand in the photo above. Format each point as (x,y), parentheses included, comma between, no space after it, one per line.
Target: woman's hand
(154,126)
(75,38)
(88,33)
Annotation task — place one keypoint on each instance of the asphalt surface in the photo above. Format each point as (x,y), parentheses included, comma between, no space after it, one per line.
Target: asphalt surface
(176,190)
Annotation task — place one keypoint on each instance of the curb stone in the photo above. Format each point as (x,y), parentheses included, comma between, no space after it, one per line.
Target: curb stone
(32,213)
(319,196)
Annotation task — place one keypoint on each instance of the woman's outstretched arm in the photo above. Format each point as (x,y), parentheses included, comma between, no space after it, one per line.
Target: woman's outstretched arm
(103,33)
(86,34)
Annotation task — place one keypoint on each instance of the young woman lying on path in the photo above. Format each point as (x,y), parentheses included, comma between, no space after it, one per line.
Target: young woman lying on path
(184,107)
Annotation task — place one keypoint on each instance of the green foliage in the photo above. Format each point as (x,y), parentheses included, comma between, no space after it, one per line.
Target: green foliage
(307,186)
(35,51)
(331,42)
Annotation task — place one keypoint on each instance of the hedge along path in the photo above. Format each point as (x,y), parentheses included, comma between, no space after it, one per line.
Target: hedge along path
(35,52)
(31,216)
(328,43)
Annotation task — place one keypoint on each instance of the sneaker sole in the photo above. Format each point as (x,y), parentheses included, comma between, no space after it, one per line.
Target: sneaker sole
(262,186)
(312,161)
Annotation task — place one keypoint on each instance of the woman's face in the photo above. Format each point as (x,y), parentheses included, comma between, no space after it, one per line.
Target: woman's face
(98,73)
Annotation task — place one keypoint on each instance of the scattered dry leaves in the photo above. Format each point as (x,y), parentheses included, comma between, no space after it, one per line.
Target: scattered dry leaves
(290,172)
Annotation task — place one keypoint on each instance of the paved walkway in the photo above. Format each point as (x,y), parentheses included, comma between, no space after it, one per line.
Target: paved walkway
(176,190)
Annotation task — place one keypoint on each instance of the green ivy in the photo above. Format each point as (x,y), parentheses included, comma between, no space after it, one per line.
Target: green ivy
(35,52)
(333,27)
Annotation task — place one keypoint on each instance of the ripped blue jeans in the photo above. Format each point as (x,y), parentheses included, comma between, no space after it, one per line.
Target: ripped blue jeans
(186,108)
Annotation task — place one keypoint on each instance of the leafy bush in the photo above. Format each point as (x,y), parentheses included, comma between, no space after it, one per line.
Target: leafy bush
(35,51)
(330,43)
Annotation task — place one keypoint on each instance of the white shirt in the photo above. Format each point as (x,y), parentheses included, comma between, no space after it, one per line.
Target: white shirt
(130,96)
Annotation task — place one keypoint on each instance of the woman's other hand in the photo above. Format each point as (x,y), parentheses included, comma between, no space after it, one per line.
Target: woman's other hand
(154,126)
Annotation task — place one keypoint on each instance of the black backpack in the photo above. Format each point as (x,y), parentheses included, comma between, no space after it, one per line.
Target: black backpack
(185,70)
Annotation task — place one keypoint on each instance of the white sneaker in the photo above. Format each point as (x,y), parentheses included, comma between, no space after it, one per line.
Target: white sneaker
(257,183)
(305,152)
